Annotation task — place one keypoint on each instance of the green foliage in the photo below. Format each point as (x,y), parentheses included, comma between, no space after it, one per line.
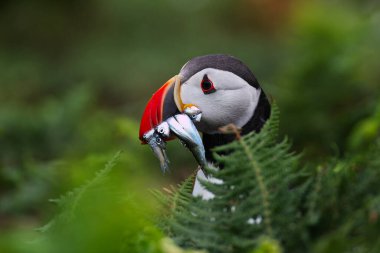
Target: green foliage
(267,202)
(365,131)
(174,201)
(330,207)
(267,245)
(347,205)
(327,84)
(168,246)
(253,200)
(98,216)
(69,202)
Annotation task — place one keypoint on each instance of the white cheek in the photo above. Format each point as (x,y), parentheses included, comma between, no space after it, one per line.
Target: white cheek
(232,107)
(191,93)
(222,107)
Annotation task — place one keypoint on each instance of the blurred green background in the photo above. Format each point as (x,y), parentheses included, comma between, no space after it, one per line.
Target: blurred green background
(75,77)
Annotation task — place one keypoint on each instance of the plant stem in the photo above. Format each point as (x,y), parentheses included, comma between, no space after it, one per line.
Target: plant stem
(263,189)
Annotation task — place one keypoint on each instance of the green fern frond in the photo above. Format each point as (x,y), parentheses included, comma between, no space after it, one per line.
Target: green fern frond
(173,200)
(254,200)
(68,202)
(266,194)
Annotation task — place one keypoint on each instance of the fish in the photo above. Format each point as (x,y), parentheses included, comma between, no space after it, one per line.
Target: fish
(193,112)
(158,146)
(183,127)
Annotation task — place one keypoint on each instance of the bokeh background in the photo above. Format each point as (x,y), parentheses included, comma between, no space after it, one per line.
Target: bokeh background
(75,77)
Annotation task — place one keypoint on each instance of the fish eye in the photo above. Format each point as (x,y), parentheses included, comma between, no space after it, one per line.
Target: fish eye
(207,85)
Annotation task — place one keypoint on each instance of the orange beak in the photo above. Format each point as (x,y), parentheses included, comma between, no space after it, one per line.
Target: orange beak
(164,103)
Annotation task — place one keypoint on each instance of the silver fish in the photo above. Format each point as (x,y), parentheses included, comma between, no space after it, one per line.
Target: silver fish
(183,127)
(194,113)
(157,144)
(163,129)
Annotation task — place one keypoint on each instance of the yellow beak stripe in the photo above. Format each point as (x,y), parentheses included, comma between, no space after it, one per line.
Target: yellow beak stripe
(177,94)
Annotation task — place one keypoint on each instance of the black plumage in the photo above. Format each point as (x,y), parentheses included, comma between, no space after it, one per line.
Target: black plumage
(221,62)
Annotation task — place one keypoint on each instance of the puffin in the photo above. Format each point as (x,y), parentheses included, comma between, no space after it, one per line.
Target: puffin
(209,92)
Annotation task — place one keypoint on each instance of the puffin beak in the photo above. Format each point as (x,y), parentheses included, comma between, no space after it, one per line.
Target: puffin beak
(166,117)
(161,106)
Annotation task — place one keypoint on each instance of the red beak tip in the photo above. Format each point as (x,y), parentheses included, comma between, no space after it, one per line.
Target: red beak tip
(153,113)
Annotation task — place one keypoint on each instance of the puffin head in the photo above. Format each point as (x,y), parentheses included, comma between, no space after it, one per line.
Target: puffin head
(222,87)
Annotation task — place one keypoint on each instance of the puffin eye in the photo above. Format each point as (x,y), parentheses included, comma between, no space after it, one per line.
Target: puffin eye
(207,86)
